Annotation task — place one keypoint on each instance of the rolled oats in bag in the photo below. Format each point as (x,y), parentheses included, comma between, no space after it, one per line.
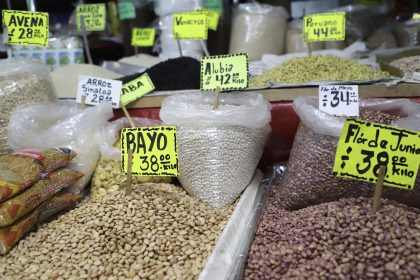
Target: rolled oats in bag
(21,204)
(21,169)
(309,178)
(10,235)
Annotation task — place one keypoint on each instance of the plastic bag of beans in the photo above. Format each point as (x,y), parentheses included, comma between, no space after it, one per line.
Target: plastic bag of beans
(10,235)
(107,177)
(21,169)
(21,204)
(309,178)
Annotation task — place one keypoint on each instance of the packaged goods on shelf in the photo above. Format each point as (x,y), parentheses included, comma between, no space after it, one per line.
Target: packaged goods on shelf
(309,179)
(294,39)
(320,68)
(258,29)
(165,7)
(336,240)
(218,150)
(107,177)
(381,39)
(62,124)
(21,169)
(22,81)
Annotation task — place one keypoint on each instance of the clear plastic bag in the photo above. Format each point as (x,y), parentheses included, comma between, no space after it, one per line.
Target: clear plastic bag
(22,81)
(165,7)
(62,124)
(218,150)
(258,29)
(309,179)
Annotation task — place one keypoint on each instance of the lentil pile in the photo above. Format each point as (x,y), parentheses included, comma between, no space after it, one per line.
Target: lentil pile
(309,180)
(336,240)
(159,232)
(408,64)
(318,68)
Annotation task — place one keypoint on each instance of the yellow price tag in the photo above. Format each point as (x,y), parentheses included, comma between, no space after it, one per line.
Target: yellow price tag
(136,89)
(229,72)
(416,16)
(94,16)
(190,26)
(212,18)
(26,28)
(325,27)
(155,151)
(143,37)
(363,147)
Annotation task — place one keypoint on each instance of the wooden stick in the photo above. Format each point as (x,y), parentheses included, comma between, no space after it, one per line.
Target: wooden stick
(6,41)
(179,44)
(136,51)
(308,45)
(216,99)
(128,187)
(85,40)
(83,102)
(378,190)
(127,115)
(204,47)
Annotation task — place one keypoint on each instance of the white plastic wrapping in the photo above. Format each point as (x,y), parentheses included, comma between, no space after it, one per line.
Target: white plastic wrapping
(61,124)
(258,29)
(218,150)
(165,7)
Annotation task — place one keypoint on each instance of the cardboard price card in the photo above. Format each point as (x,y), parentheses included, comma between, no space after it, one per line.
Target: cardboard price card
(26,28)
(363,147)
(212,18)
(155,151)
(99,90)
(190,26)
(136,89)
(94,16)
(126,10)
(143,37)
(339,100)
(229,72)
(324,27)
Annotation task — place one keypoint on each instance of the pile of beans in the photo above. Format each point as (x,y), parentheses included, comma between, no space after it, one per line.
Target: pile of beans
(336,240)
(159,232)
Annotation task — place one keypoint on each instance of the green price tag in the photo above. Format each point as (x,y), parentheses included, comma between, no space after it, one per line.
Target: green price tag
(26,28)
(363,147)
(94,16)
(190,26)
(229,72)
(154,149)
(126,10)
(212,18)
(143,37)
(136,89)
(214,5)
(325,27)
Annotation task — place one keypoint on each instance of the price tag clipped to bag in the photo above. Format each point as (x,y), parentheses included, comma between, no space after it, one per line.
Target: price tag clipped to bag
(363,147)
(190,26)
(136,89)
(155,151)
(229,72)
(143,37)
(339,100)
(99,90)
(126,9)
(324,27)
(94,16)
(212,18)
(26,28)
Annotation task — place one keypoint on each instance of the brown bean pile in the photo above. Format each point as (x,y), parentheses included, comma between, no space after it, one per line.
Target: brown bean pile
(309,179)
(159,232)
(336,240)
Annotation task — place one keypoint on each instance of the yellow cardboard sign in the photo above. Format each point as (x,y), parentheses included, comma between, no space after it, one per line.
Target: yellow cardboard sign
(136,89)
(325,27)
(190,26)
(143,37)
(229,72)
(155,151)
(212,18)
(94,16)
(26,28)
(363,147)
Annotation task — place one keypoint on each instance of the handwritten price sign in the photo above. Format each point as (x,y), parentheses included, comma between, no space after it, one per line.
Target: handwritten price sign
(339,100)
(325,27)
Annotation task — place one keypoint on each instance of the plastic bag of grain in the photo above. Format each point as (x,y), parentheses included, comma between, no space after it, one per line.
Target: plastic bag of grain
(309,179)
(62,124)
(107,177)
(218,150)
(22,81)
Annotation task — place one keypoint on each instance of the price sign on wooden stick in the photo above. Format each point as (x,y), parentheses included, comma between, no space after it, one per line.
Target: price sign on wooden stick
(324,27)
